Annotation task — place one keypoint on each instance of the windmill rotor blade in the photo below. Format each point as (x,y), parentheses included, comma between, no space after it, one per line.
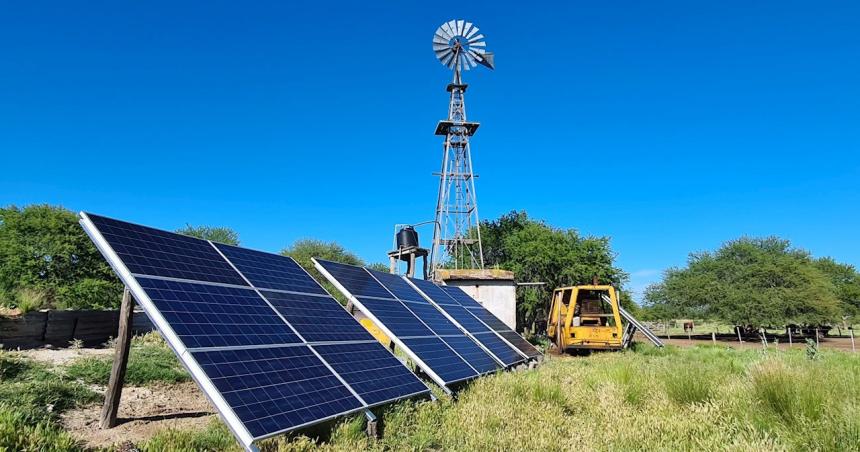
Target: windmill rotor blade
(447,59)
(470,59)
(439,39)
(443,54)
(444,32)
(477,44)
(477,49)
(476,38)
(488,60)
(452,25)
(472,33)
(466,29)
(437,47)
(448,30)
(460,24)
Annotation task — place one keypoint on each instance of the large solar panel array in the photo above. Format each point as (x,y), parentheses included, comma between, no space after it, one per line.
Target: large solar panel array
(267,344)
(426,335)
(477,321)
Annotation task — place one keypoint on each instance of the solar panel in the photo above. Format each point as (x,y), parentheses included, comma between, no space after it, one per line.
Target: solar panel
(407,321)
(469,320)
(492,321)
(270,271)
(268,345)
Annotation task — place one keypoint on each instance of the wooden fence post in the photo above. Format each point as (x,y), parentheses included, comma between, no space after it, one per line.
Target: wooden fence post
(714,337)
(852,340)
(120,362)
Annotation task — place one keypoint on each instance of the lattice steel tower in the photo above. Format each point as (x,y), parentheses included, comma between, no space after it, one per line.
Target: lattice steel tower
(456,237)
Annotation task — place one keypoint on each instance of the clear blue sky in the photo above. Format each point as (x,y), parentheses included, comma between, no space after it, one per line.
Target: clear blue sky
(669,126)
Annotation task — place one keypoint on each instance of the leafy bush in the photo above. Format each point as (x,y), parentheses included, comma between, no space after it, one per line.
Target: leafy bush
(29,299)
(88,293)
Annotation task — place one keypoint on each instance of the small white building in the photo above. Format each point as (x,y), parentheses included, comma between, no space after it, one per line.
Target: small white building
(496,290)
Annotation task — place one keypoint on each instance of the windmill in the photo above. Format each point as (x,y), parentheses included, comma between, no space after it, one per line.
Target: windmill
(456,237)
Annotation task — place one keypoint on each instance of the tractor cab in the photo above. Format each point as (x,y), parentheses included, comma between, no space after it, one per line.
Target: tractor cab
(585,317)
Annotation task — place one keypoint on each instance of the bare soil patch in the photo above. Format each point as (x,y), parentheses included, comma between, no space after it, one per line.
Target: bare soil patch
(63,356)
(143,412)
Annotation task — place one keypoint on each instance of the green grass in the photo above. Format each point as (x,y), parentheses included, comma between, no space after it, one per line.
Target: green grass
(150,361)
(31,397)
(699,398)
(702,398)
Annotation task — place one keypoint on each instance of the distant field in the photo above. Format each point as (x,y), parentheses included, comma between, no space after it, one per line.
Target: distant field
(694,398)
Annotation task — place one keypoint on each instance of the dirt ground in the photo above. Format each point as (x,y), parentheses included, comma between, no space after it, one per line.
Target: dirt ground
(63,356)
(142,413)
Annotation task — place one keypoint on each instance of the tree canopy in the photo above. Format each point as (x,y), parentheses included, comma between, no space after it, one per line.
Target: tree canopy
(218,234)
(537,252)
(42,248)
(303,250)
(752,282)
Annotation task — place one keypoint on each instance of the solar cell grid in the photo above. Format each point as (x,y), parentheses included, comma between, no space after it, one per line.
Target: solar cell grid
(148,251)
(264,378)
(433,291)
(273,389)
(394,316)
(400,288)
(520,343)
(270,271)
(317,318)
(434,319)
(499,348)
(465,318)
(441,359)
(472,353)
(204,315)
(356,280)
(461,297)
(489,319)
(371,370)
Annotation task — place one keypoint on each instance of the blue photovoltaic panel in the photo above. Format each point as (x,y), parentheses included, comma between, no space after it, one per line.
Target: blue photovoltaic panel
(461,297)
(204,315)
(465,319)
(148,251)
(354,279)
(489,319)
(499,348)
(520,343)
(373,372)
(492,321)
(317,318)
(265,376)
(270,271)
(400,288)
(439,357)
(399,320)
(433,291)
(472,353)
(434,319)
(276,389)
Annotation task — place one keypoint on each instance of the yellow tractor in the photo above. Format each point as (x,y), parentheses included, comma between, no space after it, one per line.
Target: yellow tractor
(580,319)
(589,318)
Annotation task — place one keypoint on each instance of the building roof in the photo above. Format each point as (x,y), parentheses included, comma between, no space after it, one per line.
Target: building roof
(450,274)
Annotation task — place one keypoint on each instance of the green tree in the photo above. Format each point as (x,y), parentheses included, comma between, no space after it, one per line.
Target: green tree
(43,248)
(303,250)
(217,234)
(846,282)
(537,252)
(751,282)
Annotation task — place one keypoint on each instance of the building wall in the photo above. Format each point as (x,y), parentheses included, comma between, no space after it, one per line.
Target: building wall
(499,297)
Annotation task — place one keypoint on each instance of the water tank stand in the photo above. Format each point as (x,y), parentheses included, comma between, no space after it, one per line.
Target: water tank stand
(409,255)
